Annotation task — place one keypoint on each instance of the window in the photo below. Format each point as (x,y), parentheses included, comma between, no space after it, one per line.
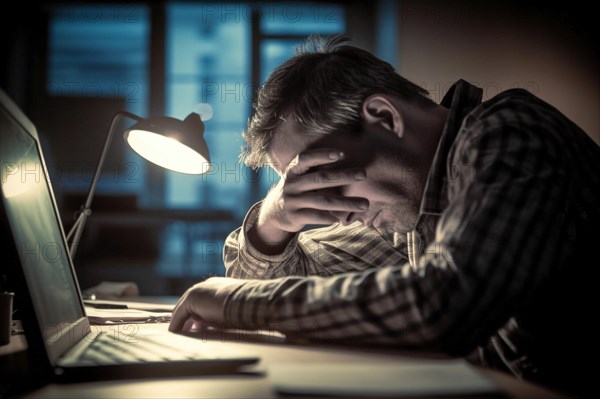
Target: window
(209,66)
(210,69)
(100,52)
(216,55)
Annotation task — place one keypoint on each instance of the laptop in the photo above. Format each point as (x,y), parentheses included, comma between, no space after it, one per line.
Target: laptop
(48,299)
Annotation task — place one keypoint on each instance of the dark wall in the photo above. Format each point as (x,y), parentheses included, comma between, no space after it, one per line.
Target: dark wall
(23,37)
(548,48)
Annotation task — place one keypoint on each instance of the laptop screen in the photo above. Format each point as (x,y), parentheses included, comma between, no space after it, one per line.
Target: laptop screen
(35,225)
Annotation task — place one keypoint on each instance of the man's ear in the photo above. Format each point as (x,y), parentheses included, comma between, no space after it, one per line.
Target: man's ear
(381,110)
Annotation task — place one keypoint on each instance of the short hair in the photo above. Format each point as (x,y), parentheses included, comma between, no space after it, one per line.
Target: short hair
(322,88)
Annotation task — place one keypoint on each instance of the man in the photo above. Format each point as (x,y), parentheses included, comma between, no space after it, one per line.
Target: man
(464,227)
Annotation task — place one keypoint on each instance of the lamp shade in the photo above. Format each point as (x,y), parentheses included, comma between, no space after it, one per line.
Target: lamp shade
(171,143)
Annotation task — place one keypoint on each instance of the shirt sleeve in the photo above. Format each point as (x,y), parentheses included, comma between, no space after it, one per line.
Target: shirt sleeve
(498,241)
(321,251)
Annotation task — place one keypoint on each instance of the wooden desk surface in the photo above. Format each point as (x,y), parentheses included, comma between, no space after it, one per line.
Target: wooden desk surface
(255,383)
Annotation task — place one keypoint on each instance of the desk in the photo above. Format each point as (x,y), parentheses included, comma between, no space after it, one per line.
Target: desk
(254,381)
(257,385)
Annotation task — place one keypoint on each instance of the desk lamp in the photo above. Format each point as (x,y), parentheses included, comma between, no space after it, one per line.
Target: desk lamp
(168,142)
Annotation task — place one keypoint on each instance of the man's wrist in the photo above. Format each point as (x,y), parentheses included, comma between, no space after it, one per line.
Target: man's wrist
(269,241)
(264,238)
(259,258)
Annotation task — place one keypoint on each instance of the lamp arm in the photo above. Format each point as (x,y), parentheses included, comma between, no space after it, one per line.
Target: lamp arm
(77,228)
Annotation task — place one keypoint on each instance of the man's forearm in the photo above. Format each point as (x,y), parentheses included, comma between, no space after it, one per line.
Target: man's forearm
(322,251)
(333,309)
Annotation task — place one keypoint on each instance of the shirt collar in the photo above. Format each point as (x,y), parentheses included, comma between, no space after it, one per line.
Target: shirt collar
(461,99)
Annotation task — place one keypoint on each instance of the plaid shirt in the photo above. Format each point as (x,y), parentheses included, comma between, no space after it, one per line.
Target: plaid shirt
(497,266)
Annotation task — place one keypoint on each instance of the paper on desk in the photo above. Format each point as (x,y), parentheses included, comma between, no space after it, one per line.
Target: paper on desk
(113,290)
(131,304)
(411,378)
(114,316)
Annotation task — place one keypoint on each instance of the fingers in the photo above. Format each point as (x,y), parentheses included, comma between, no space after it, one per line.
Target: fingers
(310,192)
(314,169)
(190,325)
(311,158)
(315,216)
(180,315)
(329,202)
(183,316)
(203,302)
(328,178)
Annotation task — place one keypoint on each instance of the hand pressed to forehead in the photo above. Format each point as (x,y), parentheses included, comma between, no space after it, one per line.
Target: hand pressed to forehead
(311,159)
(313,179)
(312,189)
(305,195)
(320,169)
(294,148)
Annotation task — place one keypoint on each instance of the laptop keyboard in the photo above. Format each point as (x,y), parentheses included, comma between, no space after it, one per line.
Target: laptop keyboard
(107,348)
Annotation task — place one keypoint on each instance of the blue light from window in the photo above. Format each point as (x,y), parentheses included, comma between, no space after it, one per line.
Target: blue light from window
(100,51)
(301,18)
(208,61)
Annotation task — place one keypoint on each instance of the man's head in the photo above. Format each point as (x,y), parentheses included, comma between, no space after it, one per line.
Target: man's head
(322,88)
(337,96)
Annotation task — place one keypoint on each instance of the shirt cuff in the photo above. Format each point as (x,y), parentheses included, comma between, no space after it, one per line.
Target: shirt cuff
(249,221)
